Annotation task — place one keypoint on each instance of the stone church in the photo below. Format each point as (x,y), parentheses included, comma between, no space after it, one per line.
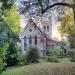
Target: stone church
(35,36)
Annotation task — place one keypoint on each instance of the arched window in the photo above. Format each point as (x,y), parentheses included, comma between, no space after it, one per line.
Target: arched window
(30,30)
(44,28)
(35,40)
(25,41)
(30,40)
(48,28)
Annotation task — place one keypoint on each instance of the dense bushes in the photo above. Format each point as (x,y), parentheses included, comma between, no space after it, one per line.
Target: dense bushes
(2,56)
(2,65)
(22,60)
(52,59)
(72,54)
(54,54)
(49,59)
(54,51)
(32,55)
(11,56)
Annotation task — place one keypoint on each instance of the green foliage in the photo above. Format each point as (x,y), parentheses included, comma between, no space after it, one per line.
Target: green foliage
(72,54)
(66,24)
(22,60)
(11,56)
(45,68)
(9,29)
(71,39)
(54,51)
(2,66)
(67,28)
(52,59)
(9,26)
(11,18)
(3,50)
(3,56)
(6,4)
(32,55)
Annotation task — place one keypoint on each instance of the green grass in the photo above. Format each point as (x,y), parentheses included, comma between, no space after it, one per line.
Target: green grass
(65,59)
(45,68)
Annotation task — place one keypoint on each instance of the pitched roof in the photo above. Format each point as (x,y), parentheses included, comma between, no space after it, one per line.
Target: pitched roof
(46,36)
(31,21)
(39,29)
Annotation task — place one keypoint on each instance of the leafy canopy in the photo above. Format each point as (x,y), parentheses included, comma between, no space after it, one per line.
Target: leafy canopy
(67,24)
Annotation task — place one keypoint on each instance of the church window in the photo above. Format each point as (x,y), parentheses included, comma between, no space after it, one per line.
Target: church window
(24,41)
(30,30)
(44,27)
(48,28)
(30,40)
(35,40)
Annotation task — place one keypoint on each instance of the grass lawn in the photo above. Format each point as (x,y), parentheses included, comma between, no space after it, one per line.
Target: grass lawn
(46,68)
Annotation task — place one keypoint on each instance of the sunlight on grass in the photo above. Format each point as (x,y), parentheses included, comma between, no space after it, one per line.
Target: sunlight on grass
(64,59)
(45,68)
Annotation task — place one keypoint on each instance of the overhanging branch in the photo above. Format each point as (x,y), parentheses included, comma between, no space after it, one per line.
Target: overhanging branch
(40,3)
(53,5)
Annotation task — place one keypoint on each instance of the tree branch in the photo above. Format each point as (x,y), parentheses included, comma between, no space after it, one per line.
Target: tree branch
(40,5)
(53,5)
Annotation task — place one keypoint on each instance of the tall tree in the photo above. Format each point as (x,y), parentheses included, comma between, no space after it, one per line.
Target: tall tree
(67,28)
(9,27)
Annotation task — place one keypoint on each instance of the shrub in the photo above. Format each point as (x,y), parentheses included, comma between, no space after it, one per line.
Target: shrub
(32,55)
(72,55)
(54,51)
(2,66)
(11,56)
(43,59)
(22,60)
(52,59)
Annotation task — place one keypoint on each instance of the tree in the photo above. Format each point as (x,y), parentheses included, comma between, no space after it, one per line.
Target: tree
(45,5)
(67,28)
(10,25)
(9,31)
(6,4)
(67,22)
(4,26)
(11,56)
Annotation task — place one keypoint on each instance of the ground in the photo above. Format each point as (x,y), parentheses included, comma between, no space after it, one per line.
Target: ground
(45,68)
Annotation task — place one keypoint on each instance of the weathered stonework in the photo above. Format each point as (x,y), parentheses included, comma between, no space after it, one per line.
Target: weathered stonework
(42,42)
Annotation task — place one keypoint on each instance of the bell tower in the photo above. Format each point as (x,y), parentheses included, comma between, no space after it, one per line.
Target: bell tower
(47,25)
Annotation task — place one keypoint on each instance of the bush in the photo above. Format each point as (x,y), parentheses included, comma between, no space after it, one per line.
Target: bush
(55,51)
(52,59)
(32,55)
(72,55)
(43,59)
(22,60)
(11,56)
(2,66)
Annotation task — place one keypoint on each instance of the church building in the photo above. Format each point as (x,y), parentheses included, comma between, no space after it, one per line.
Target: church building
(34,36)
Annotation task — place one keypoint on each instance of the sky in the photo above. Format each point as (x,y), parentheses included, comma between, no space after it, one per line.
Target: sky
(23,22)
